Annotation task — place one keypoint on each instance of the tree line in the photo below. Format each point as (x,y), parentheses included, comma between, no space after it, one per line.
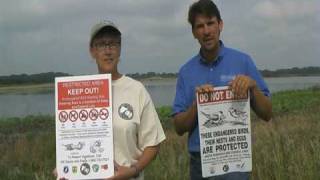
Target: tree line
(305,71)
(48,77)
(40,78)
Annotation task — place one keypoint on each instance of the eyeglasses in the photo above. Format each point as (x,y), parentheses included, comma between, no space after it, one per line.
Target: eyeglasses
(104,45)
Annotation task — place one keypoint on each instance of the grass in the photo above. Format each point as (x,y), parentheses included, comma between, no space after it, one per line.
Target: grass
(287,148)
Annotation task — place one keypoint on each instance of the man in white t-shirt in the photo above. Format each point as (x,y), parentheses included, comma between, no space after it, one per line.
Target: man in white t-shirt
(136,125)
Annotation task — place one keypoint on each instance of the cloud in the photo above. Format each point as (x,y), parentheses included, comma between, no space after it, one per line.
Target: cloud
(45,35)
(286,9)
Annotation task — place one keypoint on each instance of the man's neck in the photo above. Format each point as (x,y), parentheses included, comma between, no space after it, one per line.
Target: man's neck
(211,55)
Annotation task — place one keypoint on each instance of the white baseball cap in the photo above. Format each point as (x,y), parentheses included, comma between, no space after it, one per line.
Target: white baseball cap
(105,23)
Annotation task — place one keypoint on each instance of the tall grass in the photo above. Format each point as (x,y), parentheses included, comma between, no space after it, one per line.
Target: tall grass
(27,148)
(287,148)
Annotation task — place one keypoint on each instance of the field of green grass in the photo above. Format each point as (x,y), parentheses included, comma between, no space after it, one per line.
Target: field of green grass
(287,148)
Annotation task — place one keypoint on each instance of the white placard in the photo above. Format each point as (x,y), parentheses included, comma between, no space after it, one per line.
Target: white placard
(225,133)
(84,136)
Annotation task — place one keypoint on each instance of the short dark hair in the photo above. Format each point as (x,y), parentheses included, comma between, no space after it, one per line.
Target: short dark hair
(107,31)
(203,7)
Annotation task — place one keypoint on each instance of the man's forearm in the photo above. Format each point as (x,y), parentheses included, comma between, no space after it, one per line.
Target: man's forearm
(185,121)
(261,105)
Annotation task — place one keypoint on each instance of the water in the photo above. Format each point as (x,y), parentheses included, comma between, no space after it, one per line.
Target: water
(162,93)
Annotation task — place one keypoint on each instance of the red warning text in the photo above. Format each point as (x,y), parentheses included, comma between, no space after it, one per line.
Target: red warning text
(83,94)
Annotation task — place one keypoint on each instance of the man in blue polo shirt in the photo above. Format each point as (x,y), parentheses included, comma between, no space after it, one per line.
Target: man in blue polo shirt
(215,65)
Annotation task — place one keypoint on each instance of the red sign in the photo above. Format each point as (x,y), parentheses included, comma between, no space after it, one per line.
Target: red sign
(218,95)
(83,94)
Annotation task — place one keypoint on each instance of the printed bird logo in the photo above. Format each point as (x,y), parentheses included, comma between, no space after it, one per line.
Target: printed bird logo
(214,119)
(237,114)
(70,147)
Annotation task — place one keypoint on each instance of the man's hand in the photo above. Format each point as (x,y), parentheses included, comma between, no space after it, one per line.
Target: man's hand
(185,121)
(241,84)
(204,88)
(260,103)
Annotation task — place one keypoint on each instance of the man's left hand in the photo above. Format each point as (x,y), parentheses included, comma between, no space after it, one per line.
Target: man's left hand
(241,84)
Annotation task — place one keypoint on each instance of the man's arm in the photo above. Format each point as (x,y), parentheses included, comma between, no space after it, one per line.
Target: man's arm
(260,103)
(185,121)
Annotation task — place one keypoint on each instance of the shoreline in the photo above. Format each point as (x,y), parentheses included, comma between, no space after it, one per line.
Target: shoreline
(295,127)
(49,87)
(27,88)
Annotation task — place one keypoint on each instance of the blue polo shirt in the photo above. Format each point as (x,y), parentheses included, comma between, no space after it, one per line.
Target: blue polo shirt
(220,72)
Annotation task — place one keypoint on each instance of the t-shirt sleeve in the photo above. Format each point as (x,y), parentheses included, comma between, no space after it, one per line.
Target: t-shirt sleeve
(150,131)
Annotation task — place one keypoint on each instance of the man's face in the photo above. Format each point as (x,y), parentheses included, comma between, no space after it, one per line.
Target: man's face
(106,51)
(207,31)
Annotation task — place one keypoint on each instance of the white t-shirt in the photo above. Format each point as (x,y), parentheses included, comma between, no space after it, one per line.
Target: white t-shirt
(136,124)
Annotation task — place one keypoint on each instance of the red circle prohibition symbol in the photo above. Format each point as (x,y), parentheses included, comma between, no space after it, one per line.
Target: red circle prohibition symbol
(83,115)
(63,116)
(93,114)
(104,113)
(73,115)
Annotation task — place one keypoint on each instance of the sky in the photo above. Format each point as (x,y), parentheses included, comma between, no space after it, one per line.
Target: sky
(52,35)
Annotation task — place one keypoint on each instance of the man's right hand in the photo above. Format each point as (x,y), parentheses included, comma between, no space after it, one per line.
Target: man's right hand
(204,88)
(185,121)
